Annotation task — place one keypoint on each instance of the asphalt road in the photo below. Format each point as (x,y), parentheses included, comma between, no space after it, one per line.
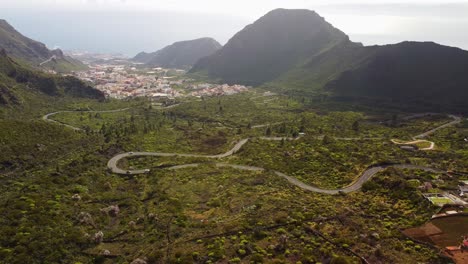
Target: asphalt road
(356,185)
(48,119)
(456,120)
(364,177)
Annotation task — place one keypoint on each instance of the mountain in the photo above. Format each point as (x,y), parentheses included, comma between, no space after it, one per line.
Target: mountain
(425,71)
(419,73)
(35,53)
(271,46)
(144,57)
(297,52)
(181,54)
(17,80)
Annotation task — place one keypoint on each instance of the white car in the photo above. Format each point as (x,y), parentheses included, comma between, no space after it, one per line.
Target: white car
(147,170)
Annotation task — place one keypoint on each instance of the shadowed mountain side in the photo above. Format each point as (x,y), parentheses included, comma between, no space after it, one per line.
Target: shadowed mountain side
(270,47)
(296,52)
(406,71)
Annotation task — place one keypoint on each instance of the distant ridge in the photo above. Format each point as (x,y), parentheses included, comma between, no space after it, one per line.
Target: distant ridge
(181,54)
(33,52)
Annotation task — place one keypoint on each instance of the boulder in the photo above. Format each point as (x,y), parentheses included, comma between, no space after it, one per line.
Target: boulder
(139,261)
(99,237)
(112,210)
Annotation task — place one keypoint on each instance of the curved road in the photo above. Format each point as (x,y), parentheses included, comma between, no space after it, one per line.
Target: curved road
(47,117)
(364,177)
(456,120)
(418,138)
(431,146)
(356,185)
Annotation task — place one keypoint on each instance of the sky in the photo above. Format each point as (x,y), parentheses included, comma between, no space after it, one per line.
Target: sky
(131,26)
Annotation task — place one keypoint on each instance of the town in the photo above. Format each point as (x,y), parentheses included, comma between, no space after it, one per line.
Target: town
(128,81)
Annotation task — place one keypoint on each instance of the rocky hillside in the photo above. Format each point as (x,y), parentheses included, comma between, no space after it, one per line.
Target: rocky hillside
(181,54)
(17,80)
(35,53)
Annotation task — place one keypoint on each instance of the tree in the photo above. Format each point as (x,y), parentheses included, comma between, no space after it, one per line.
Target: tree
(327,140)
(302,129)
(282,128)
(268,131)
(356,126)
(103,129)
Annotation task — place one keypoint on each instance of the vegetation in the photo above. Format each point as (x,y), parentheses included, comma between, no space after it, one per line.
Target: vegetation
(61,204)
(19,83)
(57,194)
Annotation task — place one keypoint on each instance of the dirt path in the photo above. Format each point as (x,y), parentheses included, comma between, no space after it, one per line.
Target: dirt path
(418,138)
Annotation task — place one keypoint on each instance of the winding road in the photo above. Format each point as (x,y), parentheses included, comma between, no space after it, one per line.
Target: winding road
(356,185)
(414,142)
(364,177)
(48,119)
(48,116)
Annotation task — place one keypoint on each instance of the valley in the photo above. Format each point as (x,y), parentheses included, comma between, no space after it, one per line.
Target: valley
(356,185)
(270,155)
(288,144)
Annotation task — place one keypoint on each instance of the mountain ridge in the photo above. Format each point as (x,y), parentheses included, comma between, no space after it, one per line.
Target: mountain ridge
(33,52)
(270,46)
(298,53)
(181,54)
(17,79)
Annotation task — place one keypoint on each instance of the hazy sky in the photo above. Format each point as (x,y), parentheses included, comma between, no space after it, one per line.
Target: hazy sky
(130,26)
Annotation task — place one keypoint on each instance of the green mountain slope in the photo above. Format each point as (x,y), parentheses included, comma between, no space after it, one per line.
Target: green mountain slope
(408,70)
(17,80)
(271,46)
(35,53)
(310,77)
(421,73)
(181,54)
